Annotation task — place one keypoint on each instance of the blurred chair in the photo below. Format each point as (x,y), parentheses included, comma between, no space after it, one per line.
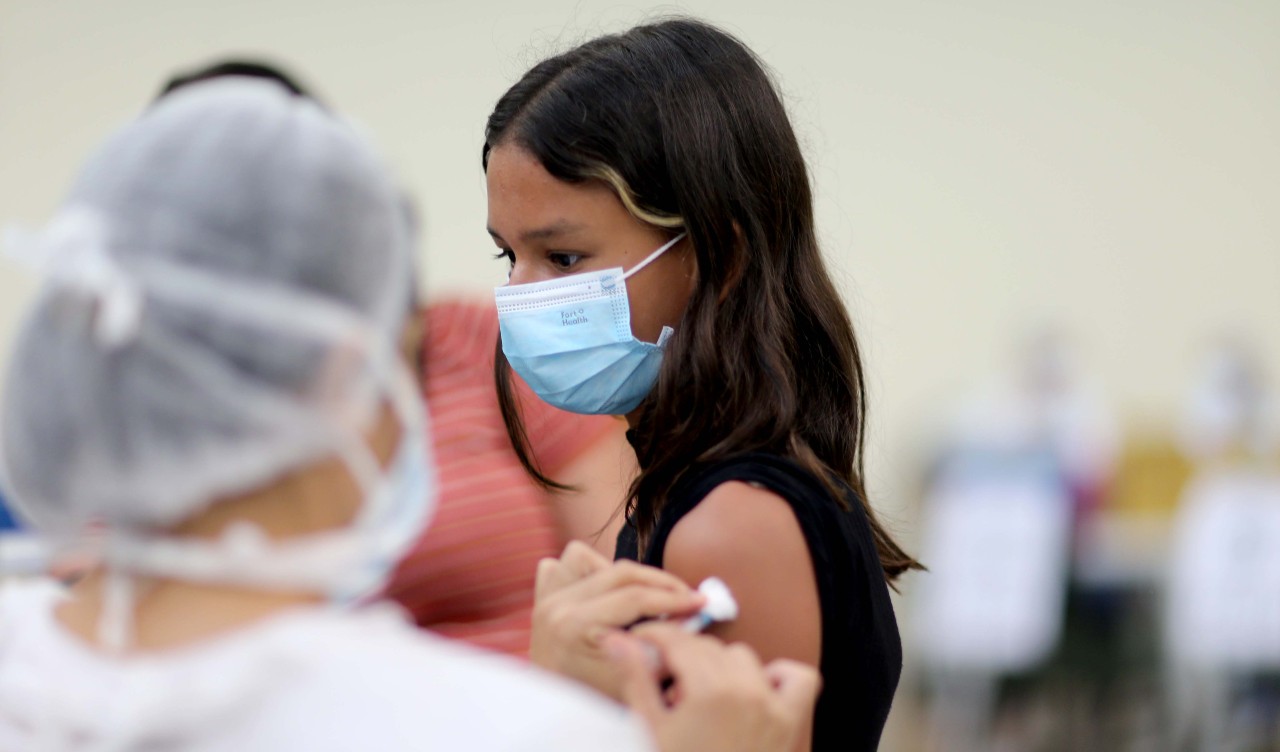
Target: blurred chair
(997,538)
(1222,618)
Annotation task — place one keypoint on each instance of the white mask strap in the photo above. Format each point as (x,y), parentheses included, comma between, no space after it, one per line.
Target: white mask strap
(652,256)
(115,621)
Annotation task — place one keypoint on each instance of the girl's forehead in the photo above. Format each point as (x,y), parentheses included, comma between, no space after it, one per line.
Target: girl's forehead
(525,199)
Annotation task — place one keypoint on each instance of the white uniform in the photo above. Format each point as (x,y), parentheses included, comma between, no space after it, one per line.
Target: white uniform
(310,679)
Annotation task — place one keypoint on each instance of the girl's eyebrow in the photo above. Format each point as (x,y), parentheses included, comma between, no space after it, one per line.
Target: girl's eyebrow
(555,229)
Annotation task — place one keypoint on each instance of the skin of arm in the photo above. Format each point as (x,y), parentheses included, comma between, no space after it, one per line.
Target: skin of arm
(750,538)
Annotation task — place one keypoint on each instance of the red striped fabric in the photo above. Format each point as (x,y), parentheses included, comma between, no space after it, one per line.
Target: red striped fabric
(471,576)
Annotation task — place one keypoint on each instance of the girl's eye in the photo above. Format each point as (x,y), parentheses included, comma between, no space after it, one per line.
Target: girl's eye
(564,261)
(506,253)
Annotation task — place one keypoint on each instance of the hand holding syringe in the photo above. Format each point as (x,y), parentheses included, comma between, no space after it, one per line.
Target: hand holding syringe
(720,607)
(582,596)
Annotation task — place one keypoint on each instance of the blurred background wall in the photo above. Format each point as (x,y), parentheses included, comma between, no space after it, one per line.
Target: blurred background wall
(981,167)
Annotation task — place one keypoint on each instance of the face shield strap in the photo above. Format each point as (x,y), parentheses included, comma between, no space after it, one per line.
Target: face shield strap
(115,624)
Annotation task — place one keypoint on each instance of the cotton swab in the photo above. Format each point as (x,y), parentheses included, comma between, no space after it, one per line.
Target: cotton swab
(720,606)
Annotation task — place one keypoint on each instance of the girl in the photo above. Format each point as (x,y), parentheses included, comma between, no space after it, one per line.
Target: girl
(650,196)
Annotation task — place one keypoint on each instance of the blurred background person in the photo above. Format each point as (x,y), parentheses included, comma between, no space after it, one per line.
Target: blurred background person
(1022,468)
(1123,595)
(1044,407)
(1221,630)
(1232,415)
(471,576)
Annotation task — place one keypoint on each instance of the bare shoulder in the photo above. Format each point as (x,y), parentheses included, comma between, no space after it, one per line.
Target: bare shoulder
(734,518)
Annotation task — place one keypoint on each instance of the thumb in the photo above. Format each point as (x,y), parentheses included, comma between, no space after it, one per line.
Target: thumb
(639,685)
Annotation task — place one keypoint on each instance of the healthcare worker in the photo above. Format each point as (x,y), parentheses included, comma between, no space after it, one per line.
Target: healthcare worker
(210,375)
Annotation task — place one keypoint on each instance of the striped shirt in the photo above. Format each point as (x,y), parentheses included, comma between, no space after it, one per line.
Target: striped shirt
(471,576)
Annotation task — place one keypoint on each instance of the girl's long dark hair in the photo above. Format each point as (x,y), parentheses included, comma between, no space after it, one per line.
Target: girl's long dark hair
(683,122)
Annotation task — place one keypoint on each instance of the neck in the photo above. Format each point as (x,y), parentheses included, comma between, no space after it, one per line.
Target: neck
(170,613)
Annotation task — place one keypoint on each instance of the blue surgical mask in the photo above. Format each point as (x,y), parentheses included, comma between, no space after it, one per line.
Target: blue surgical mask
(391,520)
(570,340)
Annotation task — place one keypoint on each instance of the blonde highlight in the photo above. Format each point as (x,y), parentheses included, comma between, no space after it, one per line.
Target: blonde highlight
(614,180)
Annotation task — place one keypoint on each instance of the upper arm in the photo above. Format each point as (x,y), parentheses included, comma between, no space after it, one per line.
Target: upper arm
(750,538)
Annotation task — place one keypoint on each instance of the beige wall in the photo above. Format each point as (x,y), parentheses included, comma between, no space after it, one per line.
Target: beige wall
(1112,165)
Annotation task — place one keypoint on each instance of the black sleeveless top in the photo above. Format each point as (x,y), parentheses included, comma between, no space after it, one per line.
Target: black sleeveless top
(861,650)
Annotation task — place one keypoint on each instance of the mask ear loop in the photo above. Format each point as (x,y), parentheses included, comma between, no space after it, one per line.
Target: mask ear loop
(653,256)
